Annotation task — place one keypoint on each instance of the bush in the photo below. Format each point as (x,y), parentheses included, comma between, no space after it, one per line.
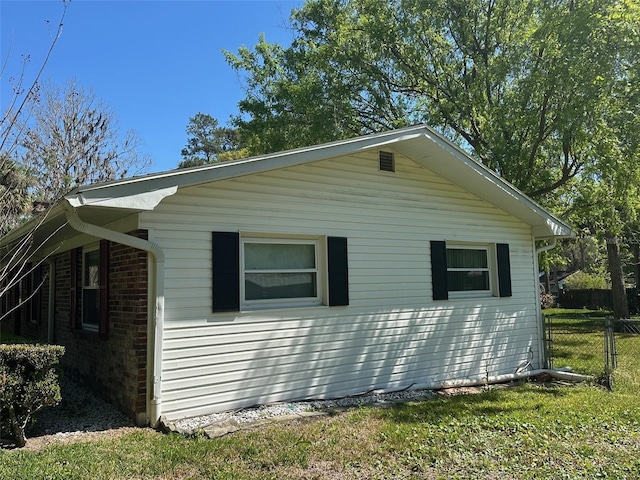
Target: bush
(585,281)
(28,382)
(547,300)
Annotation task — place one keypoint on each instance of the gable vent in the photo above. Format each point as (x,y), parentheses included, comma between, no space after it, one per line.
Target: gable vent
(387,162)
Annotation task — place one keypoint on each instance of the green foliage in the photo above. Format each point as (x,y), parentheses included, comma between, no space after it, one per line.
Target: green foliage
(209,143)
(585,281)
(516,83)
(28,382)
(15,196)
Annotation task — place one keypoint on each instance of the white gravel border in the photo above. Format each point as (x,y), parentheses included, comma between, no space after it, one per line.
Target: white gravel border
(247,416)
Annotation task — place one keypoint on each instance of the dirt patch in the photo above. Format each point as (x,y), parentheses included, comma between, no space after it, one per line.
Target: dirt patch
(39,442)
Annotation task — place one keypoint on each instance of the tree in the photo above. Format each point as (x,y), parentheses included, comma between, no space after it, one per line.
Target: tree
(15,182)
(608,196)
(209,143)
(15,197)
(510,81)
(537,90)
(71,138)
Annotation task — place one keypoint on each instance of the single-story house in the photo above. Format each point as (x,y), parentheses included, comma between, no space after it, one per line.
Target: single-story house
(388,261)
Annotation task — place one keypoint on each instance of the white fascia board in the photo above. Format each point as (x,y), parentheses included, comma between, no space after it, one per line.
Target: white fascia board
(419,143)
(193,176)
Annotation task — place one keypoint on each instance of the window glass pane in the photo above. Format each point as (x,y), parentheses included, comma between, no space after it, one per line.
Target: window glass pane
(279,256)
(466,281)
(466,258)
(269,286)
(91,306)
(91,268)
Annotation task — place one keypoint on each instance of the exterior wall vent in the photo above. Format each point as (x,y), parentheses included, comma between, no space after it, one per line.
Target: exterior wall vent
(387,162)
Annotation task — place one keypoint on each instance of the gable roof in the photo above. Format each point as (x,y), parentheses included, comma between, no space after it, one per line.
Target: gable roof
(418,143)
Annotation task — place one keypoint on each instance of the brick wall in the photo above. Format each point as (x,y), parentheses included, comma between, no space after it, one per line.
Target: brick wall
(114,367)
(30,319)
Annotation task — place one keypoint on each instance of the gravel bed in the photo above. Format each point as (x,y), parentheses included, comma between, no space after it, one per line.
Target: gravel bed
(79,412)
(262,412)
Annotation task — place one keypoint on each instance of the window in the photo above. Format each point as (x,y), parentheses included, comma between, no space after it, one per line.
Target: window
(280,271)
(275,272)
(89,293)
(91,288)
(468,270)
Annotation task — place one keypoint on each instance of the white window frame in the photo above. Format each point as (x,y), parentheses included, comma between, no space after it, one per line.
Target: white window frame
(93,327)
(491,268)
(283,302)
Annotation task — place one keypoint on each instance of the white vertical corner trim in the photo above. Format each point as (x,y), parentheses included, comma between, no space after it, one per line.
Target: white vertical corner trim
(155,310)
(536,260)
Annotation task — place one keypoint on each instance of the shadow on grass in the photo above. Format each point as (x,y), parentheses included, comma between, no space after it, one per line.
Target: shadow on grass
(488,403)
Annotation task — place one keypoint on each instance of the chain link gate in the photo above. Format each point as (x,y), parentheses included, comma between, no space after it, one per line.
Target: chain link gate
(581,344)
(626,358)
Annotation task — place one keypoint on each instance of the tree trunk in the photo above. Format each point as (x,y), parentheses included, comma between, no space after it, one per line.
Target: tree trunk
(620,304)
(18,430)
(636,265)
(547,281)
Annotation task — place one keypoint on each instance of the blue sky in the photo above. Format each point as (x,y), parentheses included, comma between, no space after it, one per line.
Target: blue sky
(155,63)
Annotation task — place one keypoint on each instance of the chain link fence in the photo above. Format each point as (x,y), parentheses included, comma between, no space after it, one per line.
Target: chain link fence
(626,367)
(597,346)
(576,343)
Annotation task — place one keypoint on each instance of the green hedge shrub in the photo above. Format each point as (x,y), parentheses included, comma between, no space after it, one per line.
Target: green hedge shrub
(28,382)
(585,281)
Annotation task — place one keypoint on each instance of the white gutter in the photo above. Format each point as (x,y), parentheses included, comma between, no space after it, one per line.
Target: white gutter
(156,292)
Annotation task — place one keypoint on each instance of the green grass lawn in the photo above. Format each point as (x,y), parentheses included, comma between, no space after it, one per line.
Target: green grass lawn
(528,431)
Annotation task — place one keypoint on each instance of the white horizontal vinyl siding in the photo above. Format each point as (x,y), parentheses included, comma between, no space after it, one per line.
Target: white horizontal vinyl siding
(392,335)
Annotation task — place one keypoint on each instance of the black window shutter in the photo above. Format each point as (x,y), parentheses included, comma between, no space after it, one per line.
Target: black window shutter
(226,271)
(504,269)
(439,270)
(103,327)
(338,271)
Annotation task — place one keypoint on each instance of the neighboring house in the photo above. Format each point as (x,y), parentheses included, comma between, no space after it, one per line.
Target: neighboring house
(555,281)
(388,261)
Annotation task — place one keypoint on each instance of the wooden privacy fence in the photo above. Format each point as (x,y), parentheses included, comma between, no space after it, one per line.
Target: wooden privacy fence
(596,299)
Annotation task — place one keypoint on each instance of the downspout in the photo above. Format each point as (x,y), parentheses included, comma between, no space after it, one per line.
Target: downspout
(156,291)
(497,379)
(554,240)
